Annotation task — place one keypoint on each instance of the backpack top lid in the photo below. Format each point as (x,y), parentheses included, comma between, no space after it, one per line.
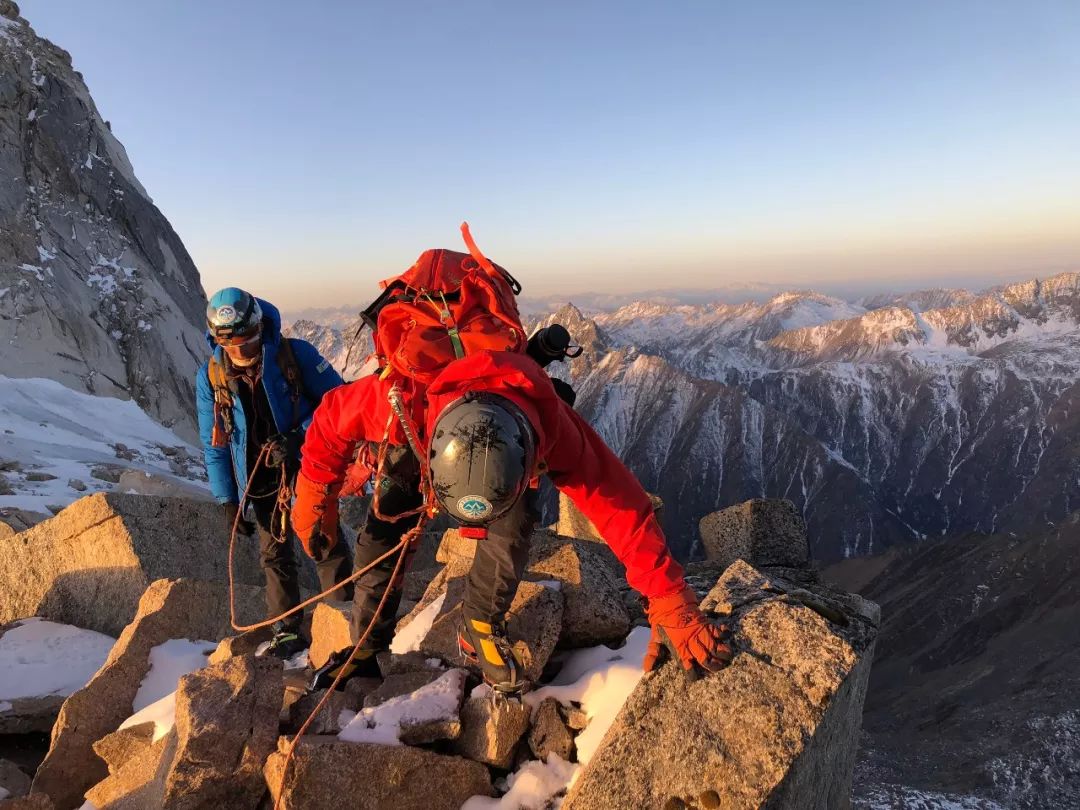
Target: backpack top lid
(447,305)
(438,269)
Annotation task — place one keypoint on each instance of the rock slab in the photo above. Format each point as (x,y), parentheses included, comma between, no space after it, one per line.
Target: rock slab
(594,610)
(374,777)
(572,523)
(226,727)
(13,780)
(169,609)
(778,728)
(764,532)
(491,731)
(330,630)
(124,744)
(549,733)
(90,564)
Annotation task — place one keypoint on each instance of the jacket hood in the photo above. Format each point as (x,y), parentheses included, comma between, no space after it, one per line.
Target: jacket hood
(271,325)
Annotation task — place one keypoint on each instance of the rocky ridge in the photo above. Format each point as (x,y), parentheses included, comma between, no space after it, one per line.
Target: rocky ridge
(225,740)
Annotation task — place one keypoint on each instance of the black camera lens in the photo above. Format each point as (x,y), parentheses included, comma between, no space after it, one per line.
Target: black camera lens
(554,339)
(549,344)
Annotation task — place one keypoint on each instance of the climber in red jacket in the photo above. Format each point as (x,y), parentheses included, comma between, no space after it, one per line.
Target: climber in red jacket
(476,434)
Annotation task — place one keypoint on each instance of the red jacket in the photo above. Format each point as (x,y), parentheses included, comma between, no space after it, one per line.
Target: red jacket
(578,462)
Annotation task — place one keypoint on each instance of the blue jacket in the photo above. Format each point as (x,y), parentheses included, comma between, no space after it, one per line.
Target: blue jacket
(227,466)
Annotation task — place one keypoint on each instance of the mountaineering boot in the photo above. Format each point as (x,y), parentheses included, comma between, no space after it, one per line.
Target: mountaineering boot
(485,644)
(363,665)
(286,642)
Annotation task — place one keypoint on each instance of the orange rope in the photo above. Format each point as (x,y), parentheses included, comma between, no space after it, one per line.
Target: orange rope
(243,628)
(406,540)
(401,549)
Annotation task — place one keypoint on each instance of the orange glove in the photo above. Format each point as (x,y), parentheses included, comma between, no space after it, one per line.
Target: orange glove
(315,516)
(680,627)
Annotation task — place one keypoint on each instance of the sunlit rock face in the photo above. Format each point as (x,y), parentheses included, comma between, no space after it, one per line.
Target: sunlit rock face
(96,289)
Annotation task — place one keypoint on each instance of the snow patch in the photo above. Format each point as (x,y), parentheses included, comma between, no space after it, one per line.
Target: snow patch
(530,787)
(409,637)
(550,584)
(67,433)
(169,662)
(600,679)
(156,699)
(40,658)
(382,724)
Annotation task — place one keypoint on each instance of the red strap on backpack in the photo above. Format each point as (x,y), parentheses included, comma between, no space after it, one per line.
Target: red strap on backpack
(474,251)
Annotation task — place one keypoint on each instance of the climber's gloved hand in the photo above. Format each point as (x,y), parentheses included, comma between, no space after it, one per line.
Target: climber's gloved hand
(284,448)
(318,547)
(315,516)
(679,627)
(244,528)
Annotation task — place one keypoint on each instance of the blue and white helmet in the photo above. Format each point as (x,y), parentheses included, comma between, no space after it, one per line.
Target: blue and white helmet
(232,312)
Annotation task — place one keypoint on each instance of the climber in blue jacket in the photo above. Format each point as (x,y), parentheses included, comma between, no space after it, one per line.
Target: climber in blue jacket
(255,397)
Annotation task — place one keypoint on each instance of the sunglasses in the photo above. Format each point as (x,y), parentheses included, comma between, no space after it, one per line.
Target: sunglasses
(236,339)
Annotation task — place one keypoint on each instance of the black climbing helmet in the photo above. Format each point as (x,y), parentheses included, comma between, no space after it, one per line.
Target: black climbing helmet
(482,455)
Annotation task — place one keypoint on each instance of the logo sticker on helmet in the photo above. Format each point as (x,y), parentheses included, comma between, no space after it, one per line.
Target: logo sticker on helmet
(225,315)
(474,507)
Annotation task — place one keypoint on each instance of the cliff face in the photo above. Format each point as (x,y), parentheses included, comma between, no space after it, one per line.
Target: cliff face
(96,289)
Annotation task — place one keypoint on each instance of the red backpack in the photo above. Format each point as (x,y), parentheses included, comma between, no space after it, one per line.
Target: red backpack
(445,306)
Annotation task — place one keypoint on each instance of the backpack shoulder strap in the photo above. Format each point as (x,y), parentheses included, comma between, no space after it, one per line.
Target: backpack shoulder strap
(219,382)
(223,403)
(290,369)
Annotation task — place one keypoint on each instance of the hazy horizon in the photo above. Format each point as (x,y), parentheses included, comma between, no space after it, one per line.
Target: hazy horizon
(752,292)
(596,147)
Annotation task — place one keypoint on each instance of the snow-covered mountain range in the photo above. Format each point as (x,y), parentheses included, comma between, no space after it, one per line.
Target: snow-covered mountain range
(887,420)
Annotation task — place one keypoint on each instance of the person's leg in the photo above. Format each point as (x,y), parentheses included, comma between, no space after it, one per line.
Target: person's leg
(399,492)
(493,581)
(499,563)
(279,566)
(336,567)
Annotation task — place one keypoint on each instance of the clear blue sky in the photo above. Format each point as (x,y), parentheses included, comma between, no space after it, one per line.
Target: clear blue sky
(307,149)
